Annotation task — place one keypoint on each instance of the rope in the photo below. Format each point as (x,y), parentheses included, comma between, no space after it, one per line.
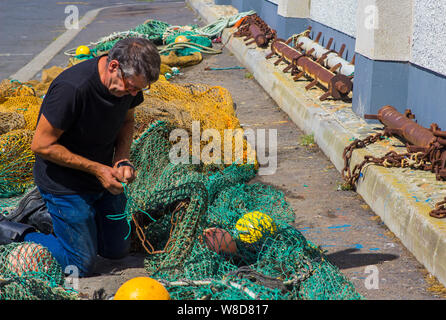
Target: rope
(294,37)
(183,45)
(214,29)
(121,216)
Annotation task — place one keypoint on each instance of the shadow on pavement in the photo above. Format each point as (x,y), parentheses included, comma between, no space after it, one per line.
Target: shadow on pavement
(346,259)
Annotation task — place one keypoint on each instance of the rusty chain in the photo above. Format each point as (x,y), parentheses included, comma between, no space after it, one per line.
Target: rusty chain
(416,160)
(349,176)
(440,211)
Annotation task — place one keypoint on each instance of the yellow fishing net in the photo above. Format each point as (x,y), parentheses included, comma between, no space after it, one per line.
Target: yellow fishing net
(28,106)
(209,106)
(19,109)
(16,162)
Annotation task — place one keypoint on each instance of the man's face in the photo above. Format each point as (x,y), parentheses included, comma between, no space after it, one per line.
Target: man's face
(120,85)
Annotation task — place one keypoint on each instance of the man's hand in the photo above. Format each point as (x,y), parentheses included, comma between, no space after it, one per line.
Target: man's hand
(126,171)
(110,179)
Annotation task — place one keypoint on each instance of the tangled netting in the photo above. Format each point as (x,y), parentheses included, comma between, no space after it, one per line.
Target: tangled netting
(192,222)
(189,218)
(19,109)
(209,233)
(164,35)
(209,108)
(29,272)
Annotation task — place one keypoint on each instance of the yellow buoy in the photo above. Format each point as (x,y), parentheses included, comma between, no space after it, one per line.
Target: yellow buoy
(82,50)
(181,39)
(142,288)
(254,226)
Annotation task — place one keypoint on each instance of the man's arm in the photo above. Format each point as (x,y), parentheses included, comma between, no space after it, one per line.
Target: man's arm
(122,148)
(46,146)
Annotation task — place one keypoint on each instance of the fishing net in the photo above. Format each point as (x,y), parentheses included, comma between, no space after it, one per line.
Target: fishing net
(28,106)
(164,35)
(29,272)
(208,109)
(11,121)
(151,29)
(14,88)
(16,163)
(209,234)
(189,43)
(19,109)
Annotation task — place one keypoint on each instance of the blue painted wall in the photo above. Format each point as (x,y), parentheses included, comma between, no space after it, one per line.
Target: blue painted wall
(255,5)
(426,96)
(379,83)
(269,14)
(402,85)
(223,2)
(289,26)
(339,38)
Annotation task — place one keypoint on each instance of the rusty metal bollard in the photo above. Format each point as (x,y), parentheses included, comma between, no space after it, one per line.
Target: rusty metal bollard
(253,27)
(431,142)
(338,86)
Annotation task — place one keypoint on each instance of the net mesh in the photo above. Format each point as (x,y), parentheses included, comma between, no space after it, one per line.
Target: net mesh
(16,162)
(28,271)
(209,233)
(19,110)
(210,107)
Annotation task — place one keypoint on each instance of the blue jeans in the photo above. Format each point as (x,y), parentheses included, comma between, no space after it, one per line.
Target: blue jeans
(82,231)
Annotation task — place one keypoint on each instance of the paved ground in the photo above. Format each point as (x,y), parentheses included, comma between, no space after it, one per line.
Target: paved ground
(28,27)
(339,221)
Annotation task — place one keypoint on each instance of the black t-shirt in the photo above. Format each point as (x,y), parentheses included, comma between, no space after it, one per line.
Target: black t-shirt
(91,117)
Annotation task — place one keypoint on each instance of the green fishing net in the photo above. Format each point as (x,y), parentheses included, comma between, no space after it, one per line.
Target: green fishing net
(195,43)
(210,234)
(28,271)
(164,34)
(152,30)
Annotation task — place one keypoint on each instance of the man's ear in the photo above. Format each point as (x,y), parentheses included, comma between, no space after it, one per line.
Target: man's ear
(113,66)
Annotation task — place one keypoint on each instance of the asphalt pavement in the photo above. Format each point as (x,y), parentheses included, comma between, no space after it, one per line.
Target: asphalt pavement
(29,26)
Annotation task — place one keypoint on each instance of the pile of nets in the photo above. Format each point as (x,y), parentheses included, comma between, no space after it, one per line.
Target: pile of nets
(174,52)
(209,109)
(209,234)
(29,272)
(19,109)
(178,211)
(208,231)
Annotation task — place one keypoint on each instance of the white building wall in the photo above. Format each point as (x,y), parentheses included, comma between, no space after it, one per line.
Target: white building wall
(337,14)
(294,8)
(429,35)
(384,29)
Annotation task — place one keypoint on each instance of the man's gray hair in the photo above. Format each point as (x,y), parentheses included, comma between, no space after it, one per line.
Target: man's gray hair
(137,56)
